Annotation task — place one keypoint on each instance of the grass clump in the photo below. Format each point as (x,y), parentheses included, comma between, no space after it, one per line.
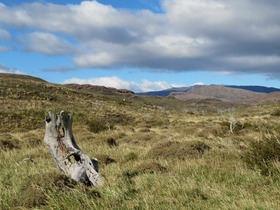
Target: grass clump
(180,150)
(153,151)
(97,125)
(112,142)
(32,140)
(145,168)
(8,142)
(151,168)
(104,159)
(276,112)
(34,192)
(263,154)
(38,190)
(33,197)
(108,122)
(131,156)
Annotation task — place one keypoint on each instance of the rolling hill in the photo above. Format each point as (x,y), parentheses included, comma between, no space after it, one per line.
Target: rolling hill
(154,152)
(216,92)
(258,89)
(168,91)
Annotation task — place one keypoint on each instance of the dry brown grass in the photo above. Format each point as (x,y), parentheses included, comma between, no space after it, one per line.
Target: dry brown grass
(181,150)
(177,156)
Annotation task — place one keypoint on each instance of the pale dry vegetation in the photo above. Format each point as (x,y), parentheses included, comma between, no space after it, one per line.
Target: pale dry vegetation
(151,157)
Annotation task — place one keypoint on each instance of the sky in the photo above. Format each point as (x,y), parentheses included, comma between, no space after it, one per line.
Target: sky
(142,45)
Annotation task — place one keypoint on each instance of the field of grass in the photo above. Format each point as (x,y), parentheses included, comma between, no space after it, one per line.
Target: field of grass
(153,155)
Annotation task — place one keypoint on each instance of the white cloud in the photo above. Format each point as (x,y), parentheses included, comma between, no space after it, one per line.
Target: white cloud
(4,69)
(116,82)
(199,83)
(4,36)
(94,61)
(46,43)
(189,35)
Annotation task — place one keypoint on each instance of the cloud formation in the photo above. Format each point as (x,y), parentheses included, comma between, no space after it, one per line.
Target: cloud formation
(209,35)
(4,69)
(4,35)
(46,43)
(116,82)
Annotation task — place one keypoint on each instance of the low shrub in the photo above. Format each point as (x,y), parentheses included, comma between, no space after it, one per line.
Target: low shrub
(108,122)
(97,125)
(263,154)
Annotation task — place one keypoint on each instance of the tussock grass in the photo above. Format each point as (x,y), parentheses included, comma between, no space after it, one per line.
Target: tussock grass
(181,150)
(264,154)
(155,153)
(8,142)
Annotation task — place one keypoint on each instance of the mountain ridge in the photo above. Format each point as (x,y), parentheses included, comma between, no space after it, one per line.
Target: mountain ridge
(254,88)
(216,92)
(229,94)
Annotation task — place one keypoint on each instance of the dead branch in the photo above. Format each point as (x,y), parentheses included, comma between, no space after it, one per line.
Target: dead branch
(68,156)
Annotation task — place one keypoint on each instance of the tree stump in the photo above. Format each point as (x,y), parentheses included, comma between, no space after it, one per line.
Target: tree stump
(69,158)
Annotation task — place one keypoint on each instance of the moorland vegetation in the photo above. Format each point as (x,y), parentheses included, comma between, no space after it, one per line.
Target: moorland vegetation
(154,152)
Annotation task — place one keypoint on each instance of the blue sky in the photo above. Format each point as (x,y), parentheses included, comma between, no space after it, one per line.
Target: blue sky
(142,45)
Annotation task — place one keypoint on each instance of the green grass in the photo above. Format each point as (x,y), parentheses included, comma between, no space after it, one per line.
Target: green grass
(151,157)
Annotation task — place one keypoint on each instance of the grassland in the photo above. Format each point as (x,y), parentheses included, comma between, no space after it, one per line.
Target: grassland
(155,153)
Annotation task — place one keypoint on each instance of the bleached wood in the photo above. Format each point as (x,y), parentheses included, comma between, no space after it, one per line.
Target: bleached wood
(69,158)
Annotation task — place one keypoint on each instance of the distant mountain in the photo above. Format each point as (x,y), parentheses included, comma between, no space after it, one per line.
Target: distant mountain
(216,92)
(262,99)
(167,92)
(259,89)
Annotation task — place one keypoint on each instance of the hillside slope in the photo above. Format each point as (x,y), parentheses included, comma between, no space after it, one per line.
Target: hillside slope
(154,152)
(101,89)
(168,91)
(20,77)
(258,89)
(255,88)
(262,99)
(216,92)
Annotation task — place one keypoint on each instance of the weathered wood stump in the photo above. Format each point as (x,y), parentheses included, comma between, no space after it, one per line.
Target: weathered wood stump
(68,156)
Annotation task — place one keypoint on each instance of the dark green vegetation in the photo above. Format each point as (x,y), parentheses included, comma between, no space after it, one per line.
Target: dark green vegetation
(154,152)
